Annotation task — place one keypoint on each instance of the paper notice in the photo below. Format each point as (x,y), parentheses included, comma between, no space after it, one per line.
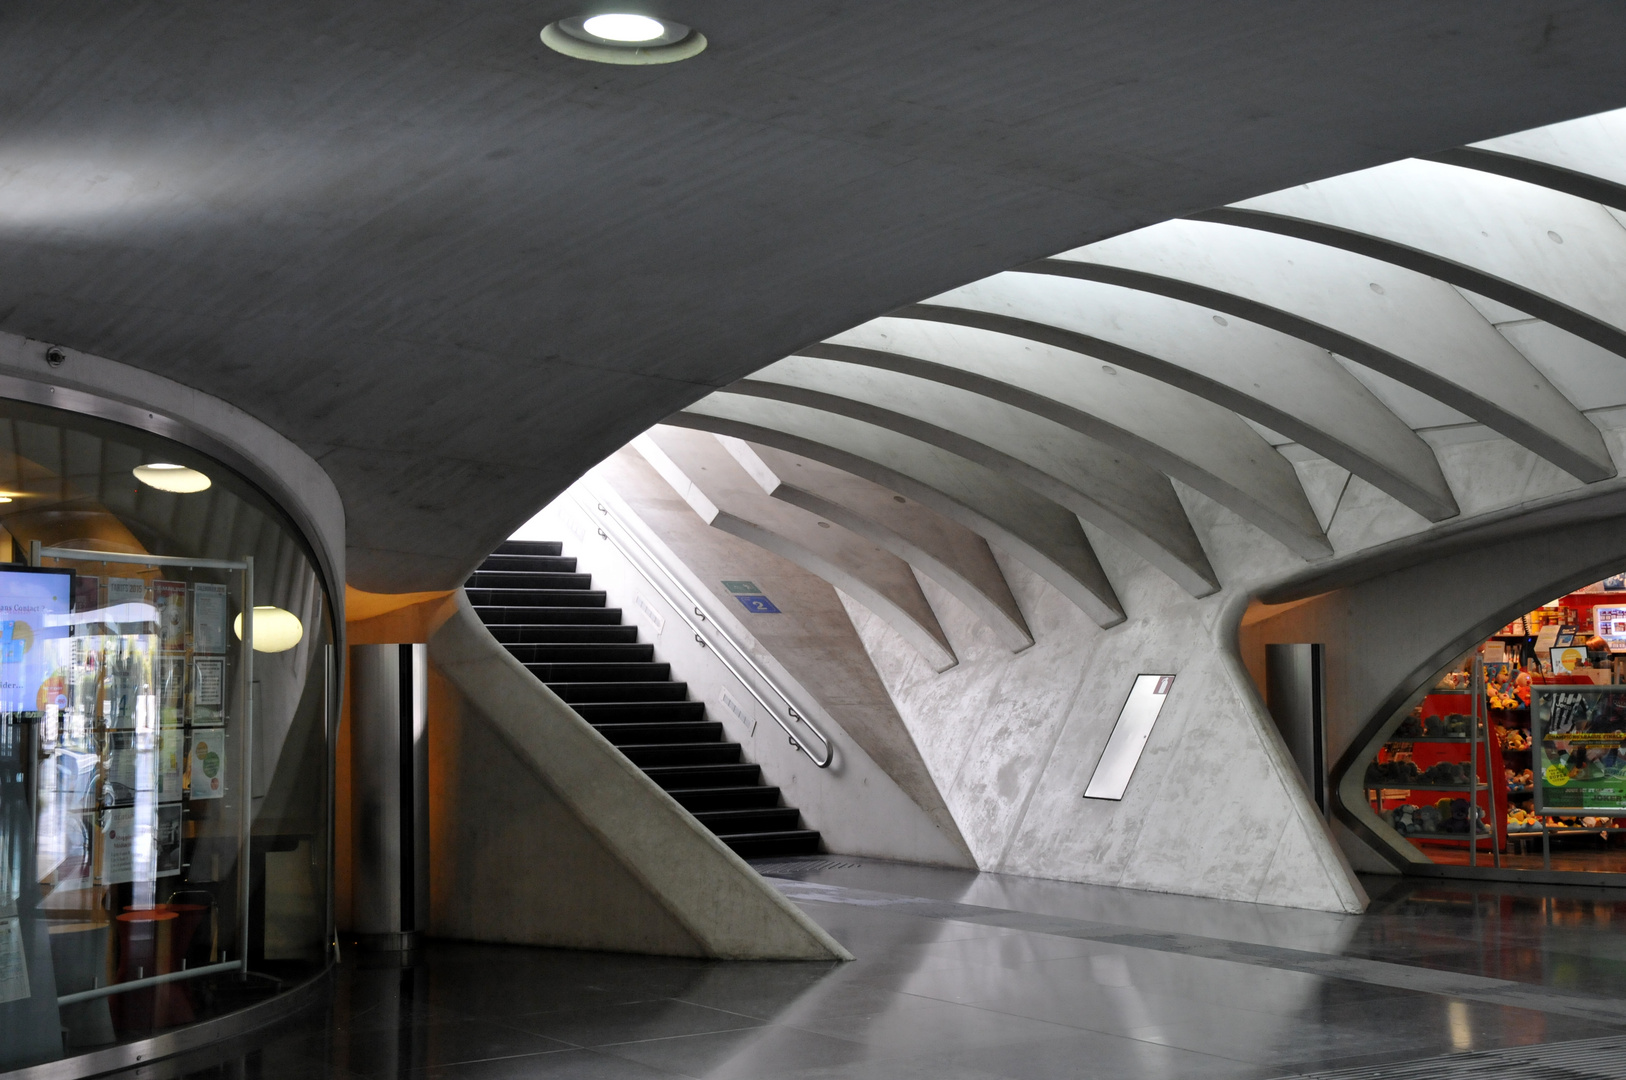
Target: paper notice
(208,683)
(208,618)
(169,597)
(124,850)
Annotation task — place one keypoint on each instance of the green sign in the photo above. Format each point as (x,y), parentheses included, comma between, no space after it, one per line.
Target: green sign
(738,587)
(1579,748)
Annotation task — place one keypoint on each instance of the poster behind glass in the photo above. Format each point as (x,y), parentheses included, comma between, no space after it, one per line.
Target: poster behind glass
(1580,735)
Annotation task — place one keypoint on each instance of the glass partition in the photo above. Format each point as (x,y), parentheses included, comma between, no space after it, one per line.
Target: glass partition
(165,732)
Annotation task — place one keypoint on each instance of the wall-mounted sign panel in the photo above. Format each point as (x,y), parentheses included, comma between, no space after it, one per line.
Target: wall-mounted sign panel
(1129,737)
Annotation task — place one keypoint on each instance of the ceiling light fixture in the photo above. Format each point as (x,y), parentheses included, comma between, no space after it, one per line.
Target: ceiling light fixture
(275,629)
(623,37)
(174,478)
(623,27)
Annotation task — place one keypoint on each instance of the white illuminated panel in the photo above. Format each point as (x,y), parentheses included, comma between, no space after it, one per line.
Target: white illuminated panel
(1129,737)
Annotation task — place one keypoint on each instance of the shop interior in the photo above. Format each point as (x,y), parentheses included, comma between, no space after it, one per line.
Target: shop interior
(1516,758)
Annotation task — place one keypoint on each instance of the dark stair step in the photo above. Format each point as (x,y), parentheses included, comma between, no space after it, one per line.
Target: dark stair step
(495,615)
(530,547)
(649,755)
(536,598)
(727,823)
(581,652)
(551,564)
(698,800)
(621,691)
(512,634)
(672,777)
(634,672)
(527,579)
(641,712)
(634,734)
(765,844)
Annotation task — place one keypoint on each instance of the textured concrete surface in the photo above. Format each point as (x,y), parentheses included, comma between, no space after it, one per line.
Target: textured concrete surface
(457,268)
(551,836)
(725,496)
(877,797)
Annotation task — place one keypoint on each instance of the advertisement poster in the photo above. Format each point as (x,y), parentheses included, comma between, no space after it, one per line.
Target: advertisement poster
(206,765)
(169,598)
(127,607)
(209,618)
(1610,624)
(33,630)
(1580,760)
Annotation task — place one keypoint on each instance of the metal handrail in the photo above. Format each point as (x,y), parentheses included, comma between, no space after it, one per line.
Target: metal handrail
(694,605)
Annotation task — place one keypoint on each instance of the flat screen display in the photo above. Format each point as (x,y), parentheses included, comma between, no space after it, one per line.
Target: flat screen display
(1610,624)
(34,619)
(1129,737)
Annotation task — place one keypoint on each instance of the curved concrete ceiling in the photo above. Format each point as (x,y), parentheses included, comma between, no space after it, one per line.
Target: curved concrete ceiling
(1351,321)
(458,268)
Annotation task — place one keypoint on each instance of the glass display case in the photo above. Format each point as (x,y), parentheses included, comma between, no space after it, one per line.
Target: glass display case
(166,721)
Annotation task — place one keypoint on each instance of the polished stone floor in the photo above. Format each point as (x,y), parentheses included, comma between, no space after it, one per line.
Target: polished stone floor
(965,976)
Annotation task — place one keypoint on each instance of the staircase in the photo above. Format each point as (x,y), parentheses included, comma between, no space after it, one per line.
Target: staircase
(531,598)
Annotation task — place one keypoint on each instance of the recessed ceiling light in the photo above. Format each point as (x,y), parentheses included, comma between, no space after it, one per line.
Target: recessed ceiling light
(167,477)
(623,37)
(623,27)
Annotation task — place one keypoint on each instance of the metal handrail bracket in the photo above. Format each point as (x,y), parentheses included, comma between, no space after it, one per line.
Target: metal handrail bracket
(821,760)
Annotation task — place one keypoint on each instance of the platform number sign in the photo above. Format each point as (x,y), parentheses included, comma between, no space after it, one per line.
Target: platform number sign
(751,597)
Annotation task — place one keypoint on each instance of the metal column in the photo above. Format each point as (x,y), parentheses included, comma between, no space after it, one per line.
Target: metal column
(389,769)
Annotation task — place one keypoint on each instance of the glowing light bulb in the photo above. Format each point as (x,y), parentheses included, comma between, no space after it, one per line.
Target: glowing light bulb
(624,27)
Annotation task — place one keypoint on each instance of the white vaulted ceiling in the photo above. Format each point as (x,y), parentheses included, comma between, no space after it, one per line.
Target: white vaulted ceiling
(1354,321)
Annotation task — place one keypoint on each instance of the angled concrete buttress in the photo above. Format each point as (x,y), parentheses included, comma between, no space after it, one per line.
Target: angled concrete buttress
(945,551)
(630,870)
(725,496)
(1031,528)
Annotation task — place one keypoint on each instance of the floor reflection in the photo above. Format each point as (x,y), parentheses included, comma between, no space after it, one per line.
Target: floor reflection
(949,999)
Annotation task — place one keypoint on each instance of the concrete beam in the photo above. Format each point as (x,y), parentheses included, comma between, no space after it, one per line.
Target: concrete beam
(726,497)
(1491,234)
(1069,478)
(1282,382)
(1413,328)
(945,551)
(1201,444)
(1032,529)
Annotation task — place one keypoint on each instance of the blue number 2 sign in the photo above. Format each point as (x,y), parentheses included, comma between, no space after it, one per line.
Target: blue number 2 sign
(758,605)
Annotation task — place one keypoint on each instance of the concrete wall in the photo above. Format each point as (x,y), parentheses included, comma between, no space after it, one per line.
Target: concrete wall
(1215,807)
(543,833)
(877,796)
